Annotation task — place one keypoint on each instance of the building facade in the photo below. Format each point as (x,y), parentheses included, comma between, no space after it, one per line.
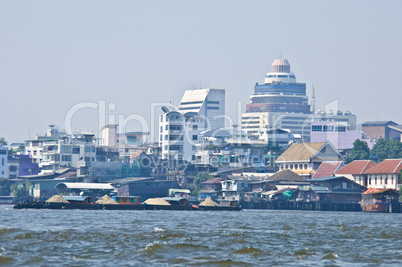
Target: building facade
(199,110)
(3,161)
(280,102)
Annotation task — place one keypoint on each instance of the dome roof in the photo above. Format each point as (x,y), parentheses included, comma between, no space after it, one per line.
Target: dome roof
(280,65)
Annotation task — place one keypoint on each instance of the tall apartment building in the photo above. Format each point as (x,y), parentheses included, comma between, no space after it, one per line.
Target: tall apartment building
(280,102)
(199,110)
(3,161)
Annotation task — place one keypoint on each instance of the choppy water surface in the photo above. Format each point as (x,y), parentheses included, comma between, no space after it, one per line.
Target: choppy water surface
(250,237)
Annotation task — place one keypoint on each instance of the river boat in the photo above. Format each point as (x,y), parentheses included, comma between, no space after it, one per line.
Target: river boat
(135,206)
(380,200)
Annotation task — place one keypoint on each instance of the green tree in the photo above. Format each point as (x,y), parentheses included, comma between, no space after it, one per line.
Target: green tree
(197,184)
(20,190)
(3,141)
(360,151)
(5,187)
(387,149)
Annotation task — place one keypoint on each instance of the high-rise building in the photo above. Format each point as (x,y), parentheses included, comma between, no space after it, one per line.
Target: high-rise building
(3,161)
(280,102)
(199,110)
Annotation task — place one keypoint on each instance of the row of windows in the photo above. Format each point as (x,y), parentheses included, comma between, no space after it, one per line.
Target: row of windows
(380,180)
(251,122)
(328,128)
(208,107)
(192,103)
(197,107)
(281,76)
(251,118)
(295,167)
(213,102)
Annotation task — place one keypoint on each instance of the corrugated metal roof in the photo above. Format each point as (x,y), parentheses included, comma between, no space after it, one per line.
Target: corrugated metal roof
(300,152)
(75,198)
(100,186)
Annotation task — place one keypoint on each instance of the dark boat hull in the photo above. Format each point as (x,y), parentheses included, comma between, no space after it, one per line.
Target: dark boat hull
(70,206)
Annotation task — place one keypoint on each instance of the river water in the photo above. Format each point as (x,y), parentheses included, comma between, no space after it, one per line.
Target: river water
(196,238)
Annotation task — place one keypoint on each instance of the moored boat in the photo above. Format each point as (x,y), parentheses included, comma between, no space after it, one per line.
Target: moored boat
(380,200)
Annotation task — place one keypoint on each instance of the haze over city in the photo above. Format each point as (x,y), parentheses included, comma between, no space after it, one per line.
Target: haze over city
(54,55)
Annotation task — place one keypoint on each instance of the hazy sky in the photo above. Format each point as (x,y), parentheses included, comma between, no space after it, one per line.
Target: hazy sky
(57,54)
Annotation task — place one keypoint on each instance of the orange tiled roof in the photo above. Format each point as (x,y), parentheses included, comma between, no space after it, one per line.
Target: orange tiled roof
(386,166)
(376,190)
(328,168)
(356,167)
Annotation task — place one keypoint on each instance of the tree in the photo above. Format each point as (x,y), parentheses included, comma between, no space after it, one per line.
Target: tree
(197,184)
(20,190)
(3,141)
(5,187)
(360,151)
(387,149)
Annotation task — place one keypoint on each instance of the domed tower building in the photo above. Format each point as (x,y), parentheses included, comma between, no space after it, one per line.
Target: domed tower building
(281,102)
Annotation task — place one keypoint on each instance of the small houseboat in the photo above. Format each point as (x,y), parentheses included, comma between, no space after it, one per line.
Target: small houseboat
(380,200)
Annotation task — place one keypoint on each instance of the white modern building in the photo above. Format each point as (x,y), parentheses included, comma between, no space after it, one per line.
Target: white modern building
(280,102)
(77,151)
(3,161)
(199,110)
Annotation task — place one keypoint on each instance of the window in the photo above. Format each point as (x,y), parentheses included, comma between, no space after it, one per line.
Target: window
(191,103)
(369,181)
(166,137)
(386,180)
(87,149)
(87,159)
(375,180)
(3,152)
(340,129)
(305,166)
(208,107)
(2,162)
(193,157)
(213,102)
(317,128)
(327,128)
(132,140)
(195,137)
(76,150)
(65,157)
(195,127)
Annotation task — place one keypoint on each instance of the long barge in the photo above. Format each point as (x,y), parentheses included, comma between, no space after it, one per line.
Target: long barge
(80,206)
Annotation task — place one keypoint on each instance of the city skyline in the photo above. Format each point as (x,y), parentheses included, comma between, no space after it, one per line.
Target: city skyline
(132,54)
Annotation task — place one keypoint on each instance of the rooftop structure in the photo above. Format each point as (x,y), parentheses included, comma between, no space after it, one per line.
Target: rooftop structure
(281,102)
